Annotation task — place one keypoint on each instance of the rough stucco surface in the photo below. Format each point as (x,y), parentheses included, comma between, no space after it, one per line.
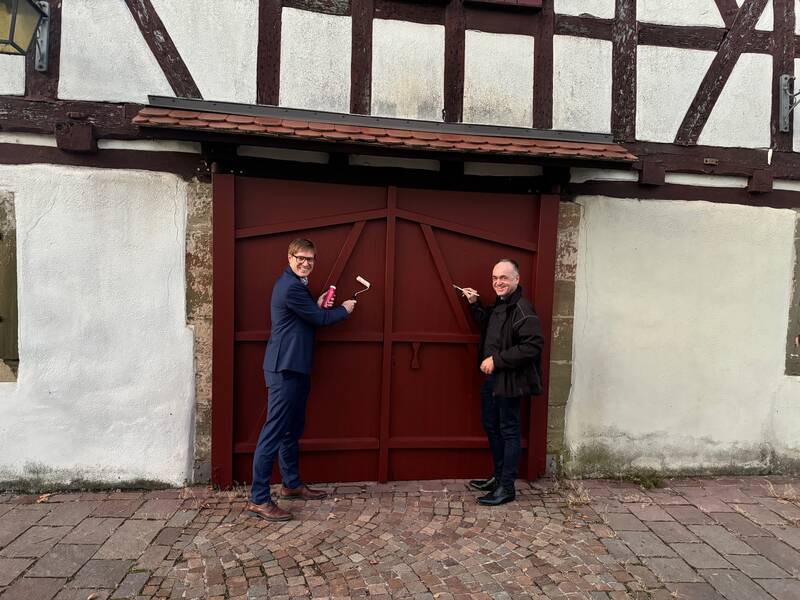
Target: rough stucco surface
(104,56)
(498,79)
(105,388)
(199,284)
(679,12)
(581,84)
(680,334)
(217,41)
(315,60)
(407,70)
(12,75)
(741,116)
(666,73)
(603,9)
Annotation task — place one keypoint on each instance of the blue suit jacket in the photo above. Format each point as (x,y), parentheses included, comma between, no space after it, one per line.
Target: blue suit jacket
(295,316)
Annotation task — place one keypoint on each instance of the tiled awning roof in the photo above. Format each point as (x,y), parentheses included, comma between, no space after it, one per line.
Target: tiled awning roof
(408,139)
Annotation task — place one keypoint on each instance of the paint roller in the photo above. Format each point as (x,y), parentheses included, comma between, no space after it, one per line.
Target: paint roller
(363,282)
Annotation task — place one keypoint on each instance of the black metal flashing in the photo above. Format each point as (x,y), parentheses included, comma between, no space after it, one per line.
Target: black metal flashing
(262,110)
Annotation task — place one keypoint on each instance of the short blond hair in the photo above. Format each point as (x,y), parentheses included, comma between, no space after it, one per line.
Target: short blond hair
(302,244)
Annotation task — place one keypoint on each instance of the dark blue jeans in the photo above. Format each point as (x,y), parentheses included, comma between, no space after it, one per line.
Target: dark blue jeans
(286,417)
(500,418)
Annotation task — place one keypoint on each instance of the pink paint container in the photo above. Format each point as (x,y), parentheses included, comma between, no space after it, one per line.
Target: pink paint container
(327,299)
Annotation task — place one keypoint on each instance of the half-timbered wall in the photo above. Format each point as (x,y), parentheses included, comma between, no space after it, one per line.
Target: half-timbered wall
(690,86)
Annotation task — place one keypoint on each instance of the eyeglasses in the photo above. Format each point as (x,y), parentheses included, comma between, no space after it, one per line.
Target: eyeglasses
(304,259)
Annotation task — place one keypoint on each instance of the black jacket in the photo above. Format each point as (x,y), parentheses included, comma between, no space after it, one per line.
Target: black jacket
(517,366)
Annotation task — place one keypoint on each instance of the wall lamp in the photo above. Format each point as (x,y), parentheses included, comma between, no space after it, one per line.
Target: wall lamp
(23,23)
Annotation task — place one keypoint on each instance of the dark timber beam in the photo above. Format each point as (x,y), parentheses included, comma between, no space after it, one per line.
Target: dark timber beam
(624,39)
(727,10)
(782,63)
(361,57)
(329,7)
(454,36)
(44,86)
(109,120)
(718,73)
(268,61)
(164,51)
(543,69)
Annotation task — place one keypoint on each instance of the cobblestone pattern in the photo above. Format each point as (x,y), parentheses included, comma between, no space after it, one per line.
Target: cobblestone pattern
(695,539)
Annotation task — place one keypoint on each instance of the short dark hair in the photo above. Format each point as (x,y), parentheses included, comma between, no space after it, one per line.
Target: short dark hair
(512,262)
(302,244)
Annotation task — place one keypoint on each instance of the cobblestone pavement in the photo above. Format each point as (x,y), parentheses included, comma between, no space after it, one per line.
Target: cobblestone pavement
(732,538)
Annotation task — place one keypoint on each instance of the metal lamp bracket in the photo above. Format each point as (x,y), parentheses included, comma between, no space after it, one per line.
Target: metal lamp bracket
(42,38)
(788,100)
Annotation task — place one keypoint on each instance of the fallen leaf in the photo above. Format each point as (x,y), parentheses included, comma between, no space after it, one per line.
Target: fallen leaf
(43,498)
(93,596)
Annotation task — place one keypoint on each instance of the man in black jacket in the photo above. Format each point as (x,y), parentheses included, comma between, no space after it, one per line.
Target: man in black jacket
(510,355)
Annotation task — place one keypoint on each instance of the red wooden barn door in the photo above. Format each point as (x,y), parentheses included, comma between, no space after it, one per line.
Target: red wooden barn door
(395,387)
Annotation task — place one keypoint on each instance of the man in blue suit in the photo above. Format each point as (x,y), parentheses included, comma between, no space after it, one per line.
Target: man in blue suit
(287,369)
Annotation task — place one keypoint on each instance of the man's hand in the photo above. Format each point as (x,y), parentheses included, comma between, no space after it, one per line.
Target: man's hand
(349,305)
(470,294)
(322,298)
(487,366)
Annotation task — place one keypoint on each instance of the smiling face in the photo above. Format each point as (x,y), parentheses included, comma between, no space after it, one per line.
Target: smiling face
(505,278)
(302,255)
(302,262)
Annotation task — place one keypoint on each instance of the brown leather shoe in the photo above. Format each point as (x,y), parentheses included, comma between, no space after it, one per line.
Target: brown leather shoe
(268,511)
(302,493)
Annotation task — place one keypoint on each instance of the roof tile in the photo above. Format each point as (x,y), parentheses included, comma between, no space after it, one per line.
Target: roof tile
(240,119)
(212,117)
(295,124)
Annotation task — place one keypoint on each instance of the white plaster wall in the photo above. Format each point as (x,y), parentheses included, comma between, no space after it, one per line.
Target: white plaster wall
(741,116)
(12,75)
(797,12)
(498,79)
(603,9)
(407,70)
(104,56)
(667,81)
(581,84)
(217,41)
(796,112)
(679,12)
(105,388)
(681,311)
(315,60)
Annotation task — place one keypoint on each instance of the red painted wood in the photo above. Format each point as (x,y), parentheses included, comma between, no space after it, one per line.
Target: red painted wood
(223,318)
(395,387)
(543,303)
(388,315)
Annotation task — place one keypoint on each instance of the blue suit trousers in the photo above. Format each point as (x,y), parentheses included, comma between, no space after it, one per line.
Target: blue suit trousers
(286,415)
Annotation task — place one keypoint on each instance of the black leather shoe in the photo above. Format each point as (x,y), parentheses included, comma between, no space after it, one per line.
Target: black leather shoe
(499,496)
(484,485)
